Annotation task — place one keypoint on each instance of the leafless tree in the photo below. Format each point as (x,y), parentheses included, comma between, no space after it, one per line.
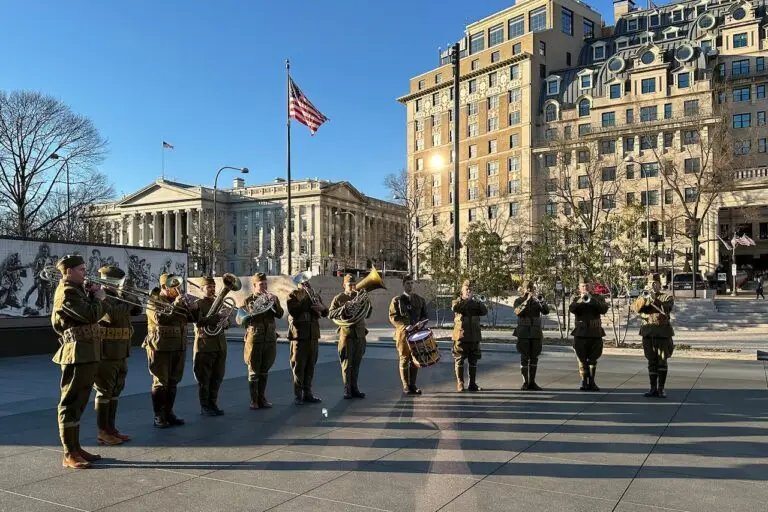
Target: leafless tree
(41,143)
(409,191)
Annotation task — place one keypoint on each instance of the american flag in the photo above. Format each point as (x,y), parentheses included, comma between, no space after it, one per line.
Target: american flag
(743,240)
(166,145)
(302,110)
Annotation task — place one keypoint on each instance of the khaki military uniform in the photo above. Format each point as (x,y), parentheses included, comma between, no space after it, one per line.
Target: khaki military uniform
(529,335)
(304,335)
(352,344)
(75,319)
(260,350)
(209,358)
(588,336)
(406,311)
(166,346)
(467,336)
(113,368)
(657,336)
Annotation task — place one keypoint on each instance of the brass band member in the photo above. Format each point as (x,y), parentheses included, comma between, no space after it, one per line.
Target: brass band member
(351,339)
(654,308)
(405,311)
(588,332)
(75,319)
(305,308)
(116,348)
(166,345)
(209,353)
(529,309)
(260,341)
(467,335)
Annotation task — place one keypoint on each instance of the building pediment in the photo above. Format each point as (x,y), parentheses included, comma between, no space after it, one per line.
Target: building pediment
(345,191)
(160,192)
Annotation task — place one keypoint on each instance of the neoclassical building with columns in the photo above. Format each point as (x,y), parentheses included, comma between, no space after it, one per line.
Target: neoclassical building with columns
(334,226)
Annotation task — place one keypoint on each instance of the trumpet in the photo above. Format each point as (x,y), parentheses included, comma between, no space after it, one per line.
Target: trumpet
(647,295)
(541,299)
(479,298)
(586,298)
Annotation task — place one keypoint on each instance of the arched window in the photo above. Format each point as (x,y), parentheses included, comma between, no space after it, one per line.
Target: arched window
(584,106)
(550,113)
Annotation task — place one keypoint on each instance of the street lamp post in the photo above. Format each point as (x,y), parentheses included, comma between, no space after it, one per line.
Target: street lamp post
(56,156)
(243,170)
(354,218)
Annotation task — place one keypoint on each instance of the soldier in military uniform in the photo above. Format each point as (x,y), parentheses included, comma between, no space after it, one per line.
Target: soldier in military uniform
(588,332)
(467,335)
(351,339)
(113,368)
(304,314)
(405,311)
(75,319)
(260,342)
(209,353)
(654,308)
(166,345)
(529,334)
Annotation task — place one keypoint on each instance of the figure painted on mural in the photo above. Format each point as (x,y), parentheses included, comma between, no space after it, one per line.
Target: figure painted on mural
(10,281)
(94,262)
(42,286)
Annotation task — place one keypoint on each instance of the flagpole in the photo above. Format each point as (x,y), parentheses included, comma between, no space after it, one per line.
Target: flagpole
(162,148)
(288,127)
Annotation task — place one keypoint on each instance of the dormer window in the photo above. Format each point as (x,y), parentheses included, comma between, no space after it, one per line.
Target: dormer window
(598,51)
(646,37)
(622,42)
(585,82)
(653,20)
(670,33)
(553,86)
(632,25)
(677,15)
(683,80)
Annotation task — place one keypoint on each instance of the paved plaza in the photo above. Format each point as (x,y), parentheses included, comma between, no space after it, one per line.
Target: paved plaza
(702,449)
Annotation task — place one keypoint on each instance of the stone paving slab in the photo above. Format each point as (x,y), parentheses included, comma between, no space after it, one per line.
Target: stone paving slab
(701,449)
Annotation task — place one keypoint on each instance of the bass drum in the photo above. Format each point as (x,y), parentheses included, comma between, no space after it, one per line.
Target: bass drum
(424,351)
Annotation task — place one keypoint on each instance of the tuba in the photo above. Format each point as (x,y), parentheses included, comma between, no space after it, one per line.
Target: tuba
(222,306)
(357,309)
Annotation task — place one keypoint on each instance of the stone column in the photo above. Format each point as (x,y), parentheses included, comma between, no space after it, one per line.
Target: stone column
(178,236)
(167,237)
(143,230)
(190,227)
(123,238)
(317,233)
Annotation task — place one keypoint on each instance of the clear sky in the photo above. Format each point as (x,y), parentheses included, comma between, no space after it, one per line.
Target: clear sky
(209,77)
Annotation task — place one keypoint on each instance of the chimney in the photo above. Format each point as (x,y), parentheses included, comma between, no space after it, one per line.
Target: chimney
(238,182)
(622,7)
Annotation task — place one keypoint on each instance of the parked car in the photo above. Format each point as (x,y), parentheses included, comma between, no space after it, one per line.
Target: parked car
(684,281)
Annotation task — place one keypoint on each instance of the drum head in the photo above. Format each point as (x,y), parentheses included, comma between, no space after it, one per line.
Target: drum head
(418,336)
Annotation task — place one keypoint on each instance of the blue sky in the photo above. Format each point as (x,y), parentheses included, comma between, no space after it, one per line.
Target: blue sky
(209,78)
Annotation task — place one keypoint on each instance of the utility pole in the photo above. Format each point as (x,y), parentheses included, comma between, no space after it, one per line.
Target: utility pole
(455,59)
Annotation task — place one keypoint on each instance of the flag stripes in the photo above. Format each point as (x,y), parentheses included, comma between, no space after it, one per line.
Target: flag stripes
(302,110)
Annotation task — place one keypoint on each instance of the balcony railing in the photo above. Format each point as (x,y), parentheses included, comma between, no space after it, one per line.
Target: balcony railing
(746,174)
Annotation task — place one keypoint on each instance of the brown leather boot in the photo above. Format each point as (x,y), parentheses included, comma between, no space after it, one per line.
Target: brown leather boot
(105,438)
(253,389)
(112,428)
(90,457)
(74,460)
(473,379)
(459,370)
(263,402)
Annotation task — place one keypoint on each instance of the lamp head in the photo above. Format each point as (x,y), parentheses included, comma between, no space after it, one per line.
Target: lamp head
(244,170)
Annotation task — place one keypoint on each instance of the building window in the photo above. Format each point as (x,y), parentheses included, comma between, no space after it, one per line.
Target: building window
(599,52)
(537,19)
(472,193)
(742,147)
(632,25)
(419,164)
(472,151)
(472,86)
(690,137)
(419,125)
(435,180)
(417,106)
(495,56)
(615,91)
(492,79)
(517,48)
(608,201)
(648,85)
(683,80)
(630,198)
(650,197)
(435,199)
(514,140)
(472,172)
(741,94)
(471,214)
(649,170)
(761,118)
(630,116)
(648,141)
(514,209)
(609,174)
(742,120)
(516,26)
(472,130)
(740,40)
(692,165)
(493,124)
(514,117)
(653,20)
(492,168)
(422,84)
(607,147)
(583,182)
(550,209)
(585,129)
(690,194)
(472,109)
(648,114)
(691,107)
(760,64)
(589,29)
(567,21)
(493,190)
(476,43)
(438,78)
(630,171)
(667,111)
(550,113)
(582,156)
(550,160)
(495,35)
(669,196)
(542,48)
(609,119)
(567,58)
(585,82)
(514,186)
(550,134)
(551,185)
(760,92)
(761,145)
(668,138)
(567,133)
(584,107)
(513,164)
(514,95)
(419,144)
(514,72)
(492,146)
(740,67)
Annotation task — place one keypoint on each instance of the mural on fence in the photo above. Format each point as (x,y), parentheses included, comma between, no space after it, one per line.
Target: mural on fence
(24,293)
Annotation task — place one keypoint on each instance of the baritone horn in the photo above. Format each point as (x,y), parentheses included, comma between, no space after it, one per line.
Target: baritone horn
(222,306)
(302,278)
(357,309)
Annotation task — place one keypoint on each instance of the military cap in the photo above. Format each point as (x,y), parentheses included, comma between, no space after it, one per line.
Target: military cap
(259,277)
(69,261)
(584,280)
(111,271)
(654,277)
(206,280)
(466,282)
(407,277)
(163,278)
(349,278)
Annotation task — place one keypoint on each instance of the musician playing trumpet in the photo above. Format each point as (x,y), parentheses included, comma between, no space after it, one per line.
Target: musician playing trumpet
(166,345)
(210,352)
(305,308)
(654,309)
(588,332)
(351,337)
(467,335)
(529,308)
(260,339)
(406,311)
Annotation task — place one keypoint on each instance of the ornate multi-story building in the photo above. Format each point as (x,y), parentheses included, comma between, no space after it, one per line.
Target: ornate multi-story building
(334,225)
(554,104)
